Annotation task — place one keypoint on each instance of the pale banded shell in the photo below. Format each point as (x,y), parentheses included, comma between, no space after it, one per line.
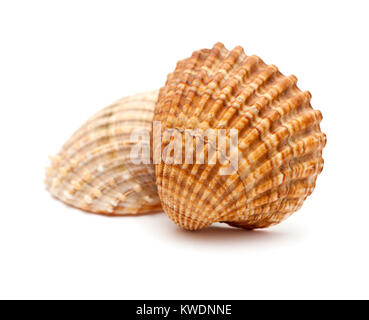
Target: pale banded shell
(279,141)
(94,172)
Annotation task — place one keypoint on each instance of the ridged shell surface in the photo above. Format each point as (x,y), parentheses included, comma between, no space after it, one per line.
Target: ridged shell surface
(93,170)
(279,141)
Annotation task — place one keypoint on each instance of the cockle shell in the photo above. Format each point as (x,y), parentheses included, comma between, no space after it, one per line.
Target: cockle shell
(93,170)
(279,141)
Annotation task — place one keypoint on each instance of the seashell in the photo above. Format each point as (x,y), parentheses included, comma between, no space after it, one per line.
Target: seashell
(279,145)
(93,170)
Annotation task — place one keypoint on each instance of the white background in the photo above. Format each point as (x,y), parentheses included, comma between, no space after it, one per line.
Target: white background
(61,61)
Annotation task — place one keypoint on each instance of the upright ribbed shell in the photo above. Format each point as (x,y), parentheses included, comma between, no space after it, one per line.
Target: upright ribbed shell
(280,141)
(93,170)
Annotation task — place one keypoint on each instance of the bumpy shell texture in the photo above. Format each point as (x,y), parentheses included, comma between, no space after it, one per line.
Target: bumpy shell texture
(279,141)
(93,171)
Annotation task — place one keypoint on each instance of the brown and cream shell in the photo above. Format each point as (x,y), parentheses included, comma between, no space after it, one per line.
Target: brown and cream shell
(279,141)
(93,170)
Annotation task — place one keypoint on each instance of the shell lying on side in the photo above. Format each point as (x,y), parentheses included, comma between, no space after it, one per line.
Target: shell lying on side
(93,170)
(279,141)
